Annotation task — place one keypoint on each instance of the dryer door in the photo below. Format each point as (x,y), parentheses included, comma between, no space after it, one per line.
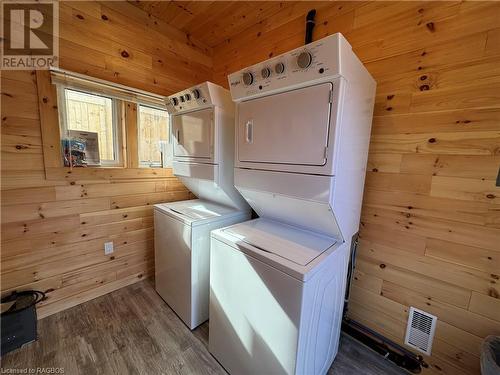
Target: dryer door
(286,128)
(194,134)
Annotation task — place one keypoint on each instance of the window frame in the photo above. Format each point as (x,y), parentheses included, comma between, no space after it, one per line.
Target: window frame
(164,163)
(117,129)
(46,87)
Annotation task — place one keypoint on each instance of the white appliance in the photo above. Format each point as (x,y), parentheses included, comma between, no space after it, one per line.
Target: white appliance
(202,123)
(303,122)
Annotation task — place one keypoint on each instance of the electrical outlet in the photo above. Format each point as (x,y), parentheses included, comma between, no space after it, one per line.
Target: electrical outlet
(108,248)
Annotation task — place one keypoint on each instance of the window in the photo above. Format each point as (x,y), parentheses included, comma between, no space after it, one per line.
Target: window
(153,137)
(104,124)
(89,120)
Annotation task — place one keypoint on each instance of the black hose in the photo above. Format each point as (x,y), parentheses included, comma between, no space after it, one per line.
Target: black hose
(310,25)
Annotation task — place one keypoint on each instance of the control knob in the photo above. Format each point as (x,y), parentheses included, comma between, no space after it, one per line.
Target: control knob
(265,73)
(279,68)
(247,78)
(187,97)
(196,93)
(304,60)
(174,101)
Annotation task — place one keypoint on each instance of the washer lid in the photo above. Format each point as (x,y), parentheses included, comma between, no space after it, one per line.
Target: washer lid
(196,210)
(289,243)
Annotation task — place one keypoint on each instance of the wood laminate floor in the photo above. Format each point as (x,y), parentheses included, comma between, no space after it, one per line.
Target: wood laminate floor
(132,331)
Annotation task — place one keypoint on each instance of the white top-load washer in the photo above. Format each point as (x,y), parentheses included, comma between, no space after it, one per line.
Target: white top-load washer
(303,122)
(202,125)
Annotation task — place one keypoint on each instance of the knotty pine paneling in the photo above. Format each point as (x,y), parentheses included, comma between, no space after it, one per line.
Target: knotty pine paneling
(430,230)
(54,230)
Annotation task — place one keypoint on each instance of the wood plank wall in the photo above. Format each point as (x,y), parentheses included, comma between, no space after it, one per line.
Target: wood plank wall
(53,231)
(430,231)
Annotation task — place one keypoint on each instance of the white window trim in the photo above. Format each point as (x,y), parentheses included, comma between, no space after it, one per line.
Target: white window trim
(166,159)
(116,123)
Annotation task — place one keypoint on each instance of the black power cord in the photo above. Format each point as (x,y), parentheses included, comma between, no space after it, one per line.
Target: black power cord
(22,300)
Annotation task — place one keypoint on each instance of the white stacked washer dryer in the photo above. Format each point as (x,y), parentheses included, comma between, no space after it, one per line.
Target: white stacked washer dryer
(277,283)
(202,124)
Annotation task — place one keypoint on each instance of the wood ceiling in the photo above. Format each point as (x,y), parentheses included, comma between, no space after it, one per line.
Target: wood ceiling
(213,22)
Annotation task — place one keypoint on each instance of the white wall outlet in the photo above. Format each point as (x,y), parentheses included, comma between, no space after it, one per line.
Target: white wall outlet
(108,248)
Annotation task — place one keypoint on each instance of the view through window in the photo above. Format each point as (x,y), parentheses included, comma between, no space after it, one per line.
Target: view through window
(93,113)
(153,132)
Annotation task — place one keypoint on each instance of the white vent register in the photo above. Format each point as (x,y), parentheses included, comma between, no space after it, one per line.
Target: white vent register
(420,330)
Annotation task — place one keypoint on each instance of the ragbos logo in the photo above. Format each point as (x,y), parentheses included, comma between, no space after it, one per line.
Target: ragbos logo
(30,34)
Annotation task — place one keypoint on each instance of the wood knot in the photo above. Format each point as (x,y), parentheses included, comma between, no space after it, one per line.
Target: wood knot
(432,140)
(125,54)
(490,196)
(424,88)
(423,78)
(390,97)
(388,109)
(45,100)
(80,17)
(21,147)
(382,266)
(430,26)
(112,257)
(104,17)
(374,170)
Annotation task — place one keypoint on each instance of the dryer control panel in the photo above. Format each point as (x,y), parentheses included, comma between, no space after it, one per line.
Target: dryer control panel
(315,61)
(192,98)
(206,94)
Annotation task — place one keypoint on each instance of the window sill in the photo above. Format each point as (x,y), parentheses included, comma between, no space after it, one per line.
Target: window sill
(105,173)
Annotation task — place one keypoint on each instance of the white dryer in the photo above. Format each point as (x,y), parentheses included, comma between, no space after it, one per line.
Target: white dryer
(202,123)
(303,122)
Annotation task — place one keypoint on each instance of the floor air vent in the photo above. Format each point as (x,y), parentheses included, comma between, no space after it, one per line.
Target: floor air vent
(420,330)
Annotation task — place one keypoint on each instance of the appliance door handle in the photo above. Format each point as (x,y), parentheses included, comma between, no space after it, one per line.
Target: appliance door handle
(179,213)
(249,131)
